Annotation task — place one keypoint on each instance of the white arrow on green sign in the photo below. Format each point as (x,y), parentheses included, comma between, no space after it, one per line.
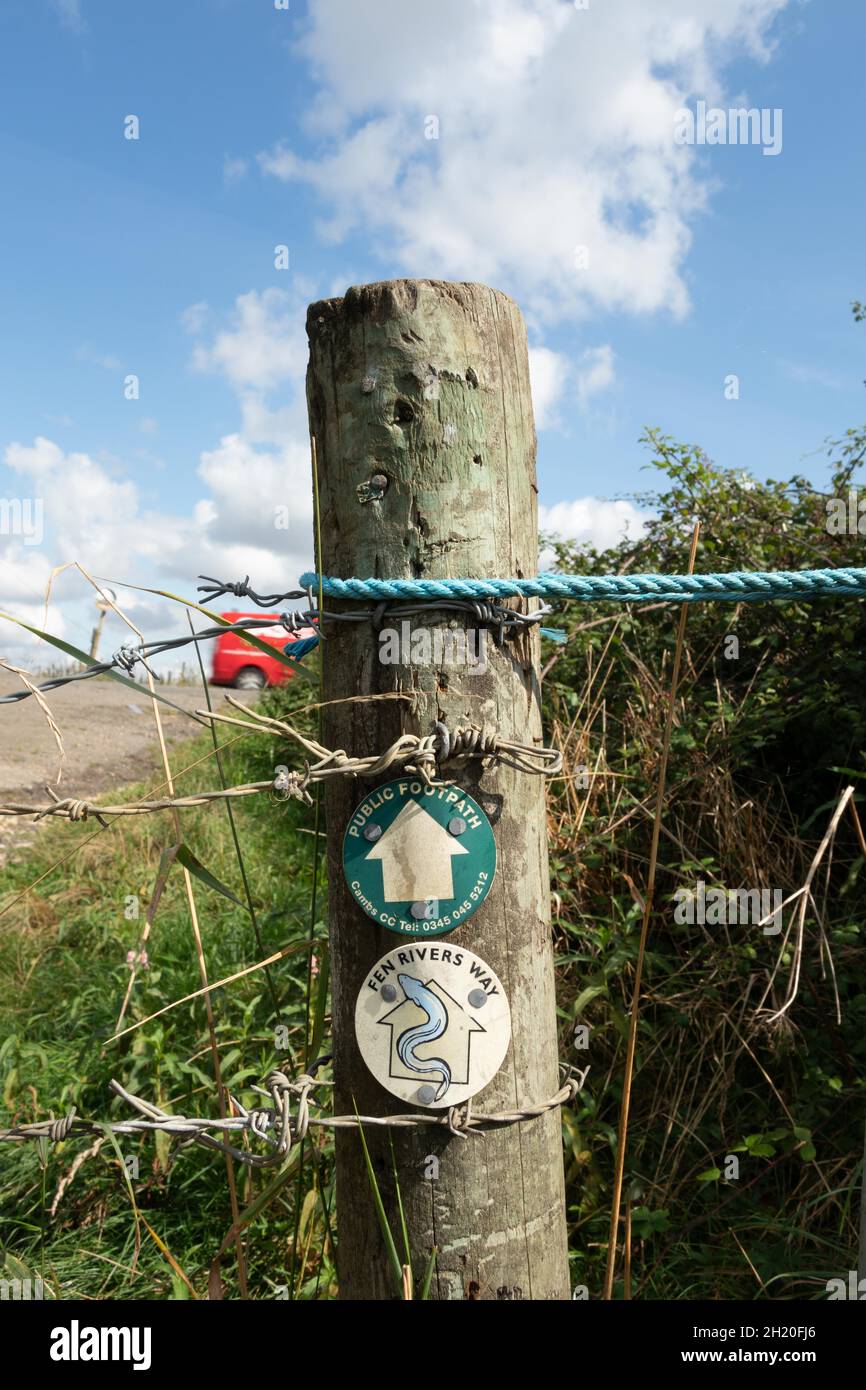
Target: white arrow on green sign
(419,859)
(416,852)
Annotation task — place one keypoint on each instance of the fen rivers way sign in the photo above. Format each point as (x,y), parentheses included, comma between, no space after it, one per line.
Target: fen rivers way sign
(419,859)
(432,1023)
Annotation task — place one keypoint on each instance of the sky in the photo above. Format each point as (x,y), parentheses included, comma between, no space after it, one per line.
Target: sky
(152,352)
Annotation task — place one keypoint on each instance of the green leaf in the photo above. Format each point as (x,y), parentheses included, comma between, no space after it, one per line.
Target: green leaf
(709,1175)
(264,1198)
(759,1147)
(585,997)
(403,1227)
(189,861)
(88,661)
(248,637)
(396,1266)
(428,1275)
(320,1007)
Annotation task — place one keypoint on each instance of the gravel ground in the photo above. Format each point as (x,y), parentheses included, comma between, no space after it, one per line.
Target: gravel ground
(109,740)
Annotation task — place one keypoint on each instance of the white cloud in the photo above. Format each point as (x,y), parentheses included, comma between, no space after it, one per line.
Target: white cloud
(253,515)
(259,475)
(254,512)
(595,372)
(232,530)
(548,374)
(88,514)
(553,374)
(598,520)
(264,347)
(555,133)
(250,488)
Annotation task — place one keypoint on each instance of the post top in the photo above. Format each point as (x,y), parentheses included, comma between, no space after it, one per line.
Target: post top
(385,299)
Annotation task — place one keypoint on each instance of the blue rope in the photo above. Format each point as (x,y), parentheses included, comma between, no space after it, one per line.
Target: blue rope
(739,586)
(298,649)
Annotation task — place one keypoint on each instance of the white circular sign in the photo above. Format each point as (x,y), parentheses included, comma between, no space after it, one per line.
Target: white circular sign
(432,1023)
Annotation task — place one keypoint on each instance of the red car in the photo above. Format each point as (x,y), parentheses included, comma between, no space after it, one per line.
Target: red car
(237,663)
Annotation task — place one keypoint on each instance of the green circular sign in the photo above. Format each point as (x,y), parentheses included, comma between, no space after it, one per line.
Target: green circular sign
(419,859)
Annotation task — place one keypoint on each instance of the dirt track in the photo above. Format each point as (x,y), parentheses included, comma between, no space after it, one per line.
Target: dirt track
(109,739)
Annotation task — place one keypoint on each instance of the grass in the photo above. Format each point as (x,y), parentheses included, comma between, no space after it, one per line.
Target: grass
(137,1221)
(63,966)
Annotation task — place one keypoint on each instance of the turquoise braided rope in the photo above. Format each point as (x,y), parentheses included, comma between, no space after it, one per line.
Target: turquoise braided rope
(739,586)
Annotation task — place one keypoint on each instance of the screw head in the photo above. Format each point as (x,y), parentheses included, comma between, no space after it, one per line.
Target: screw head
(424,911)
(372,832)
(388,993)
(457,826)
(426,1094)
(477,998)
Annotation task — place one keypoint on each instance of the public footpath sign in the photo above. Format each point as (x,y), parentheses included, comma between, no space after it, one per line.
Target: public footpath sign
(419,859)
(432,1023)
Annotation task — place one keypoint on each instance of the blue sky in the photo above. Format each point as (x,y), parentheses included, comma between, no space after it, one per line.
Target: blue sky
(260,126)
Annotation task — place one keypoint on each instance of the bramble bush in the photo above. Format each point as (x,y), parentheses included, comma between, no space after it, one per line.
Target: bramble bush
(769,731)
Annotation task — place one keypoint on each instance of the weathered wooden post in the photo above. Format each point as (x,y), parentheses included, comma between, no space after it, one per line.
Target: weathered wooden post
(419,401)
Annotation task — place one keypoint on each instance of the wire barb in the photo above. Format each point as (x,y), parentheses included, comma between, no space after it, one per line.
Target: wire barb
(284,1122)
(126,657)
(422,755)
(504,622)
(215,588)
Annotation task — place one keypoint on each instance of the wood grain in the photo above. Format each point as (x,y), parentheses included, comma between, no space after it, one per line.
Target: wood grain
(427,383)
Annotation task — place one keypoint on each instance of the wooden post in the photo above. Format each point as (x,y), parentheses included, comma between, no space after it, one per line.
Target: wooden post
(419,401)
(96,634)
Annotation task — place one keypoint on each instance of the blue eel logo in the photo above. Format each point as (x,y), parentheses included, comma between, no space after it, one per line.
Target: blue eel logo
(432,1028)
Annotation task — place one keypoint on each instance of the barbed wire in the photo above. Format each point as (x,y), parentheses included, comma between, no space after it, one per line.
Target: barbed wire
(217,588)
(503,622)
(275,1125)
(127,657)
(477,597)
(79,809)
(422,755)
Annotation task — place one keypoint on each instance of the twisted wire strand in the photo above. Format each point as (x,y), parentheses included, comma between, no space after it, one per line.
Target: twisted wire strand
(504,622)
(127,657)
(275,1125)
(79,809)
(216,588)
(423,755)
(739,586)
